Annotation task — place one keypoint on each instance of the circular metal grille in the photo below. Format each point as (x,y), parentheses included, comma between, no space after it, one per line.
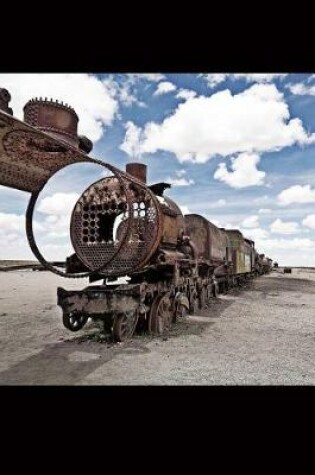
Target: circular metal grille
(115,225)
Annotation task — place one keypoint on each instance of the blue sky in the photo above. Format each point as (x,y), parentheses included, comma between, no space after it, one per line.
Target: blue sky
(238,149)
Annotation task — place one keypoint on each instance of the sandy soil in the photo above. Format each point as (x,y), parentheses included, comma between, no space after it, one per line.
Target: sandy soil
(262,335)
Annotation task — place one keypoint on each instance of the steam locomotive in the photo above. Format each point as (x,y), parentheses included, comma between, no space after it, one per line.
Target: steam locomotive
(121,226)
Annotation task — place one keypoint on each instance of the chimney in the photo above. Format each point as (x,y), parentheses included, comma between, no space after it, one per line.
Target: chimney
(57,119)
(5,98)
(138,170)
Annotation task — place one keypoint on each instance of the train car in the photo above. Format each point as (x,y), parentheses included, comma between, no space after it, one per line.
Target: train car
(213,249)
(242,255)
(230,256)
(264,264)
(211,243)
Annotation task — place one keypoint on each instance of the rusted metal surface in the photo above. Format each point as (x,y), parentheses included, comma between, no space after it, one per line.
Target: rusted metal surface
(210,241)
(241,251)
(137,170)
(101,300)
(236,238)
(116,217)
(31,237)
(29,156)
(5,98)
(58,119)
(173,222)
(161,316)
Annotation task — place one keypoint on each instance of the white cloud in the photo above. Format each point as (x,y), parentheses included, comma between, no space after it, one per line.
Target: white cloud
(216,222)
(215,79)
(281,227)
(255,120)
(127,97)
(301,89)
(251,222)
(13,241)
(11,223)
(244,172)
(222,224)
(57,252)
(131,143)
(154,77)
(261,199)
(288,252)
(291,244)
(164,87)
(55,226)
(51,227)
(59,204)
(123,91)
(255,234)
(216,204)
(185,210)
(309,221)
(181,172)
(297,194)
(264,211)
(88,95)
(259,77)
(186,94)
(179,181)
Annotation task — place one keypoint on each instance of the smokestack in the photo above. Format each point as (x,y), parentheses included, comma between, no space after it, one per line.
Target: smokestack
(53,117)
(5,98)
(57,119)
(138,170)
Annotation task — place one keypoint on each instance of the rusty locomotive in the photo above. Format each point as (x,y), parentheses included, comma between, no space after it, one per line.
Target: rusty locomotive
(121,227)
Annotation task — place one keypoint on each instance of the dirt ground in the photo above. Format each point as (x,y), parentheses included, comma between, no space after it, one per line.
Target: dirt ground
(261,335)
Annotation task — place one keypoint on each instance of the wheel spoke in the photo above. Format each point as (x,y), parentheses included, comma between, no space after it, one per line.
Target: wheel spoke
(74,322)
(160,314)
(124,325)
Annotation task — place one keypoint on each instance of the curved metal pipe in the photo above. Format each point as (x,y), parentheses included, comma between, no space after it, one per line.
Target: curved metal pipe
(31,237)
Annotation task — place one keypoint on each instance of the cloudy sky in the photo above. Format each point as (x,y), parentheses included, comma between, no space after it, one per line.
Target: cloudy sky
(237,148)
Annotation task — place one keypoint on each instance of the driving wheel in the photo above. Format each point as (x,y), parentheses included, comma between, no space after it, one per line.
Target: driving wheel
(74,321)
(160,315)
(125,324)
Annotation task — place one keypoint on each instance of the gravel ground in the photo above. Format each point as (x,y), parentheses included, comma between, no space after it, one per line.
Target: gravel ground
(261,335)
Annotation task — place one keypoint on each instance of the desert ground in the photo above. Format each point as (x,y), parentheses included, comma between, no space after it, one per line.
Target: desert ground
(263,334)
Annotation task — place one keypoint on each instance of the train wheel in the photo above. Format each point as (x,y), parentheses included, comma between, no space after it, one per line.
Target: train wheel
(124,325)
(74,321)
(160,315)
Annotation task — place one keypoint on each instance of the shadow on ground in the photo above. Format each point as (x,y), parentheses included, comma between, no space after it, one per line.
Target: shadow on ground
(69,361)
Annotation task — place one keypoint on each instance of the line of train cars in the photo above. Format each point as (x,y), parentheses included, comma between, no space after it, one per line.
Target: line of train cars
(120,226)
(185,260)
